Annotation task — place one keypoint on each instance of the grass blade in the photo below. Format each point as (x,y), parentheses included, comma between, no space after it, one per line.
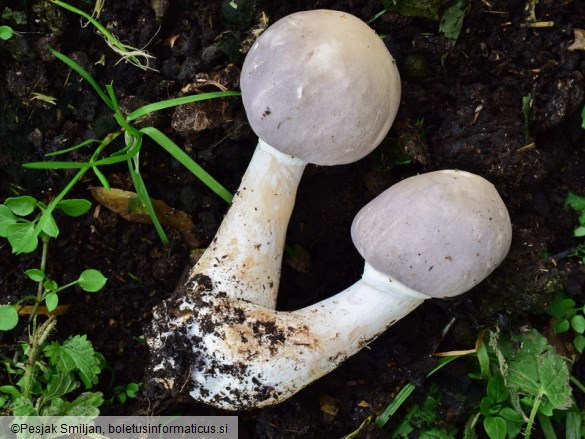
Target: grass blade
(406,391)
(85,75)
(147,109)
(145,200)
(188,162)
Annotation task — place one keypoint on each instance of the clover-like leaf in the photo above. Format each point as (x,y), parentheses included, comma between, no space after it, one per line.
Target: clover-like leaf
(8,317)
(92,280)
(75,206)
(21,206)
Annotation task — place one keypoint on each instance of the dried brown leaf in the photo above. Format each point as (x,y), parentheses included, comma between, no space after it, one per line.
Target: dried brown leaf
(128,206)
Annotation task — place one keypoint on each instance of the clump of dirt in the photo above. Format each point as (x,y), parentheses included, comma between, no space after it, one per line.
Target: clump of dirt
(503,102)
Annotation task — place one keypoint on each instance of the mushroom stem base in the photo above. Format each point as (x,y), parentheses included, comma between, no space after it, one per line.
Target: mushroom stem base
(238,355)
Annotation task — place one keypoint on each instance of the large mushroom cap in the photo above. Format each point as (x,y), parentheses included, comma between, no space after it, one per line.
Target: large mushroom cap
(439,233)
(320,85)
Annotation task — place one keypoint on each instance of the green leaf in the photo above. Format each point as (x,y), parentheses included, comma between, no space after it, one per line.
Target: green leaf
(132,389)
(76,355)
(86,404)
(74,207)
(562,326)
(510,414)
(50,285)
(579,343)
(8,317)
(6,32)
(59,385)
(23,407)
(161,105)
(92,280)
(579,232)
(51,301)
(484,360)
(6,219)
(50,227)
(496,389)
(452,21)
(169,146)
(575,201)
(22,237)
(21,206)
(495,427)
(35,274)
(10,390)
(578,323)
(560,306)
(536,369)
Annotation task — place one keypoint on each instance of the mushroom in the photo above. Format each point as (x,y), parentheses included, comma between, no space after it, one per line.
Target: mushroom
(434,235)
(318,87)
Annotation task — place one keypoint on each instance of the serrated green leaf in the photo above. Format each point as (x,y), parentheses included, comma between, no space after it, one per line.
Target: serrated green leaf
(76,355)
(452,20)
(92,280)
(74,207)
(21,206)
(86,404)
(535,369)
(575,201)
(23,407)
(59,385)
(51,301)
(35,274)
(8,317)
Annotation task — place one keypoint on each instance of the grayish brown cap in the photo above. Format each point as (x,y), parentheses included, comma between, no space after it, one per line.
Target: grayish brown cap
(320,85)
(439,233)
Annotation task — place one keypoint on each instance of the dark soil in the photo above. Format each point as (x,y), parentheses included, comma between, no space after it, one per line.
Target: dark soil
(461,108)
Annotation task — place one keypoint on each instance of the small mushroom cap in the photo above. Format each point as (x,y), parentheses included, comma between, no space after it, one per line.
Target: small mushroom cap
(439,233)
(320,85)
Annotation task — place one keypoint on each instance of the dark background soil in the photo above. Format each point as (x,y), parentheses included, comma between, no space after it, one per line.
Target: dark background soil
(461,108)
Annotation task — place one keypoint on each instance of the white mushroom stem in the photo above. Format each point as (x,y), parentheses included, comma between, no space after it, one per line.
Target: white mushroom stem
(244,259)
(251,356)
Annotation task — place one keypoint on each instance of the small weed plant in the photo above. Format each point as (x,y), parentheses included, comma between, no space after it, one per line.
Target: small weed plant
(569,318)
(127,151)
(45,377)
(527,384)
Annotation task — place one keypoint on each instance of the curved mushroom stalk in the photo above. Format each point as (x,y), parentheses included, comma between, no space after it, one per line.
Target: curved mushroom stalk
(244,355)
(245,257)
